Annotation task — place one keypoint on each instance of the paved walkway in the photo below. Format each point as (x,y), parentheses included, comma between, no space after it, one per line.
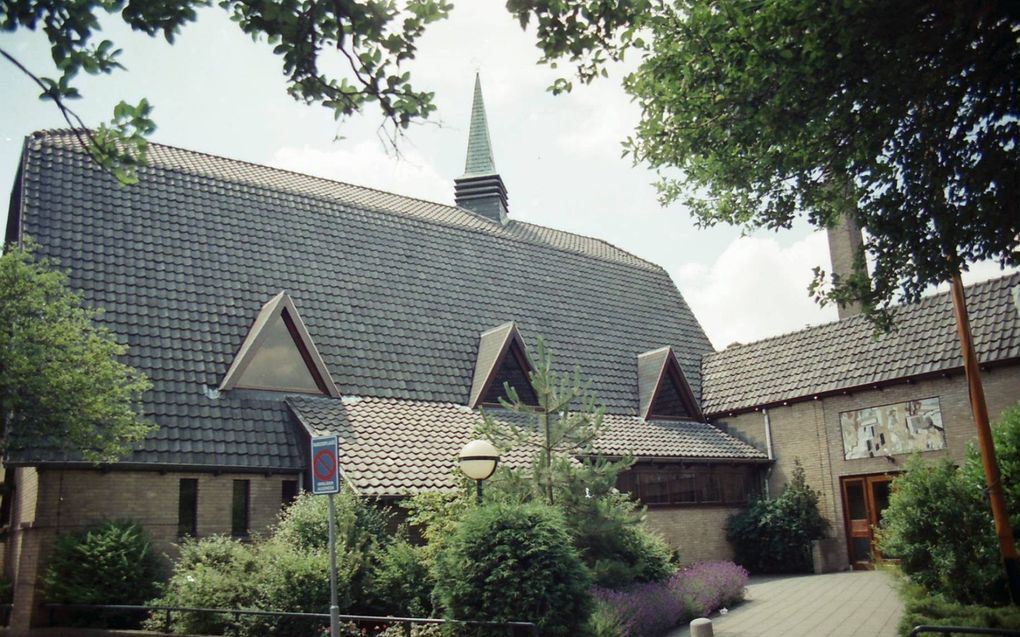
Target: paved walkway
(856,604)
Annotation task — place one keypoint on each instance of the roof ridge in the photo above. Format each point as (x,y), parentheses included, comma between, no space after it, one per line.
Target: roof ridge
(899,308)
(599,239)
(645,264)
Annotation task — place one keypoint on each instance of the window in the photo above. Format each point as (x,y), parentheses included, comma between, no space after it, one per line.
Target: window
(240,509)
(677,484)
(513,372)
(187,508)
(288,492)
(279,363)
(7,495)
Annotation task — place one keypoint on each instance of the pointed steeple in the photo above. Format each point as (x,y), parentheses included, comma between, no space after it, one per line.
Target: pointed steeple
(479,151)
(480,189)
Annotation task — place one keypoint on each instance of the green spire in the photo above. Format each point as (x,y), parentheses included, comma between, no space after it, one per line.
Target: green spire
(479,150)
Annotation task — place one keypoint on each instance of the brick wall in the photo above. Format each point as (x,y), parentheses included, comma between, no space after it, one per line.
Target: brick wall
(810,431)
(58,500)
(698,533)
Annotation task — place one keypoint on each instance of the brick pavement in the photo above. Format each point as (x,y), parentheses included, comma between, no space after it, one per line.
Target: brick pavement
(855,604)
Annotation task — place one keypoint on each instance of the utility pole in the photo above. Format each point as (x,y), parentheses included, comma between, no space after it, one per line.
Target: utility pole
(1007,545)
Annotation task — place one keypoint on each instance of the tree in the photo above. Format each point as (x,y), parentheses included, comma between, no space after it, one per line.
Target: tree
(373,38)
(61,383)
(561,431)
(568,472)
(901,115)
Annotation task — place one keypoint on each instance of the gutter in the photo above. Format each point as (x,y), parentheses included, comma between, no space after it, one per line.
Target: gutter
(768,450)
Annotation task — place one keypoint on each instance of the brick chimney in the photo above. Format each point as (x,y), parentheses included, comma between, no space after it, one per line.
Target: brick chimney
(480,189)
(844,243)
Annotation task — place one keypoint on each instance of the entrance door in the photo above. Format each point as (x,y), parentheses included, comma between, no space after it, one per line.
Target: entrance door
(864,500)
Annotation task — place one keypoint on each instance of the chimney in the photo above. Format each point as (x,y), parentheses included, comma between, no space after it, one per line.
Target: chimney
(481,189)
(844,244)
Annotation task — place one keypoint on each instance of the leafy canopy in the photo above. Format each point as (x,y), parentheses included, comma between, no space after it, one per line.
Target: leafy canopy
(902,115)
(61,383)
(371,38)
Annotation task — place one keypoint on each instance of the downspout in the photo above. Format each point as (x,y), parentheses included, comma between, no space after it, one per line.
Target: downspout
(768,450)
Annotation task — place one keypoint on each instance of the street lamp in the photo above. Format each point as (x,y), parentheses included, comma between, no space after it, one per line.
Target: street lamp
(478,460)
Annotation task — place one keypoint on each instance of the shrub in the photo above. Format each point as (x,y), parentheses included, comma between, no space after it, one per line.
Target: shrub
(615,545)
(400,583)
(1006,436)
(940,528)
(288,571)
(774,536)
(651,609)
(513,563)
(706,587)
(605,620)
(643,610)
(214,572)
(112,563)
(921,607)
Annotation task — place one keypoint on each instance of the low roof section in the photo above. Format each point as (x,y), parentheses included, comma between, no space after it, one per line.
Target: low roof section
(393,290)
(847,354)
(392,447)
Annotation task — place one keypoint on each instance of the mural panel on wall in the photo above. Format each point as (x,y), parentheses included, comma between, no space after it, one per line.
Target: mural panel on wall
(915,425)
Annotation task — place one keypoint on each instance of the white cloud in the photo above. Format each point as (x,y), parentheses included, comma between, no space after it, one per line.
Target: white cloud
(368,164)
(755,288)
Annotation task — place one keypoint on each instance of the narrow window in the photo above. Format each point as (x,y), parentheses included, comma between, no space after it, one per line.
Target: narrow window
(187,508)
(7,493)
(288,492)
(240,513)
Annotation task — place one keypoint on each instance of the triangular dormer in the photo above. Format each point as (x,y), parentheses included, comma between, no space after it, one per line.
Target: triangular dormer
(663,389)
(278,354)
(502,359)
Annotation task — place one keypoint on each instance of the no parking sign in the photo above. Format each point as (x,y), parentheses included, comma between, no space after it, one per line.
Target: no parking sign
(325,469)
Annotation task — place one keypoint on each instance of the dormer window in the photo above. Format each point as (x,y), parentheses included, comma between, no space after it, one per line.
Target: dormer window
(278,354)
(502,360)
(663,389)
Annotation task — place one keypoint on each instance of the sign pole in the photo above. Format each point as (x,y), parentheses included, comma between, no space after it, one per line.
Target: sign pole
(334,609)
(325,475)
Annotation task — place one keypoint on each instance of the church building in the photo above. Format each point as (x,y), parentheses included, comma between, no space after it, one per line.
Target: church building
(267,307)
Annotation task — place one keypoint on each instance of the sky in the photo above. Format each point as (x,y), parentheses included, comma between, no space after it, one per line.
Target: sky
(218,92)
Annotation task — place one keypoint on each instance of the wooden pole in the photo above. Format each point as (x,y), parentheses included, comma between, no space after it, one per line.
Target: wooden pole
(984,431)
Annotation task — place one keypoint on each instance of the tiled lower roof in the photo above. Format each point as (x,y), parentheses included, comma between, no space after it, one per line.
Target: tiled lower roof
(395,447)
(238,430)
(847,353)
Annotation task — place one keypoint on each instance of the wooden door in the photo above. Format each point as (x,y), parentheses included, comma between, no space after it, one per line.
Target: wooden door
(864,500)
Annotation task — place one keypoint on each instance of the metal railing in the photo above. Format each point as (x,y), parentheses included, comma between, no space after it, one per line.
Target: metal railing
(963,630)
(513,629)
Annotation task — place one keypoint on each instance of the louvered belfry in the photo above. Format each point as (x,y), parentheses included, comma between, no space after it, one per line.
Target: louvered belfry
(480,189)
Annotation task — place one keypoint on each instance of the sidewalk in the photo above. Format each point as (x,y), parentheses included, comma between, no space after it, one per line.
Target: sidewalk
(856,604)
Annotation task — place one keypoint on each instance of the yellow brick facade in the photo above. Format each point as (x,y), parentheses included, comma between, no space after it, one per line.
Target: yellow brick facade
(697,532)
(810,431)
(51,501)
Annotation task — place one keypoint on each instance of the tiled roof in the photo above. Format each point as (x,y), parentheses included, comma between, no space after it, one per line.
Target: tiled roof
(394,291)
(401,447)
(847,354)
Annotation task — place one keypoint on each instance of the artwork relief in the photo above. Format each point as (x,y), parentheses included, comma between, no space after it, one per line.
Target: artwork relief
(893,429)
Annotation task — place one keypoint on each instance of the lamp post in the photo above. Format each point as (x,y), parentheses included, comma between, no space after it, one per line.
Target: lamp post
(478,460)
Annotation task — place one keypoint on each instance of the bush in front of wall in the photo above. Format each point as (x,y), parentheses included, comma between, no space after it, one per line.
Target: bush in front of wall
(111,563)
(774,536)
(513,562)
(940,528)
(400,583)
(214,572)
